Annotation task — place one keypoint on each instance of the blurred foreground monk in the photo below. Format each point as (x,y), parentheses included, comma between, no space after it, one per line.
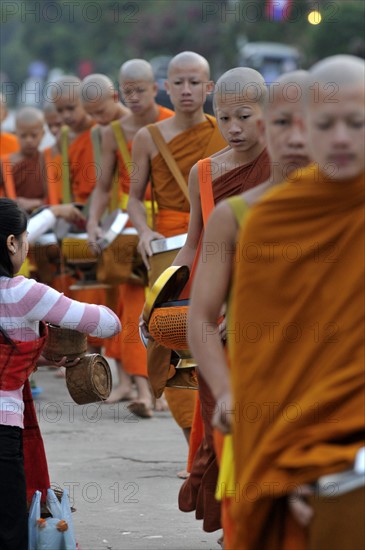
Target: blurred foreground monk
(298,378)
(139,90)
(190,135)
(238,102)
(284,130)
(8,142)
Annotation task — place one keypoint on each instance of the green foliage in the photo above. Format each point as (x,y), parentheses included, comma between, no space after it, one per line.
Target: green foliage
(63,33)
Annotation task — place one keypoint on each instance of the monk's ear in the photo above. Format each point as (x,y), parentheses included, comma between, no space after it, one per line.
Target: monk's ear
(209,87)
(115,96)
(167,87)
(155,89)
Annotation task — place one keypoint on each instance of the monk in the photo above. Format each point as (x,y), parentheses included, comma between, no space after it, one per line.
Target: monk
(284,129)
(138,89)
(52,154)
(301,366)
(79,153)
(238,101)
(190,135)
(78,165)
(100,99)
(8,142)
(22,174)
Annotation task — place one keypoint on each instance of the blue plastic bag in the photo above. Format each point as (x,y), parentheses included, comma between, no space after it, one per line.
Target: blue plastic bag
(56,532)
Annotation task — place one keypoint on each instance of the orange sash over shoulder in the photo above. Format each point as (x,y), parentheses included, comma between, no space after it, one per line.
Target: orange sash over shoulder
(298,365)
(8,144)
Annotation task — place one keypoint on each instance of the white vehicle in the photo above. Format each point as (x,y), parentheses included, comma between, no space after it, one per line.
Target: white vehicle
(271,59)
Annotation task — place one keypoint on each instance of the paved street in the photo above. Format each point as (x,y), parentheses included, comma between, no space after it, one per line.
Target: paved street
(120,472)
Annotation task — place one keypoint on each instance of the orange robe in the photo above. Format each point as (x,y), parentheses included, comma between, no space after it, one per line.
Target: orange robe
(173,218)
(82,167)
(127,346)
(83,180)
(298,366)
(197,492)
(53,160)
(8,144)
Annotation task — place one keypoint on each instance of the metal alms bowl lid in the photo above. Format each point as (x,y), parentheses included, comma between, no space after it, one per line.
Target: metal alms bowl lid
(167,287)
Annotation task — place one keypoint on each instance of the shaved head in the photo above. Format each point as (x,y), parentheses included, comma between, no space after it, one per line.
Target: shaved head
(240,84)
(290,88)
(136,70)
(341,69)
(185,59)
(67,87)
(49,107)
(95,87)
(28,116)
(335,116)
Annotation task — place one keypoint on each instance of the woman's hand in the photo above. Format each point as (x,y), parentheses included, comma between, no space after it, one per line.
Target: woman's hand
(43,362)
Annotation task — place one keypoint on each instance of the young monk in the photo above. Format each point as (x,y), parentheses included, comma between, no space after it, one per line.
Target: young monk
(138,89)
(78,165)
(79,152)
(100,99)
(190,135)
(23,174)
(52,154)
(303,366)
(8,142)
(284,125)
(238,101)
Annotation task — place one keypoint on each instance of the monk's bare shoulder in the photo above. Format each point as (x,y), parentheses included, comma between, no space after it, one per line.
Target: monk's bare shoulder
(143,142)
(253,195)
(222,225)
(108,138)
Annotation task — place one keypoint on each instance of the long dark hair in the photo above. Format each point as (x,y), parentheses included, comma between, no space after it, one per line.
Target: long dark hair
(13,221)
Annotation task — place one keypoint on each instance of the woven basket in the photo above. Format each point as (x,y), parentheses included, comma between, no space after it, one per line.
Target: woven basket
(64,342)
(90,381)
(168,327)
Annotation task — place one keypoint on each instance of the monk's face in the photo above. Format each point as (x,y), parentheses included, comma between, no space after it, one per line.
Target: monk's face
(138,95)
(29,136)
(188,86)
(103,110)
(336,131)
(285,133)
(71,111)
(54,122)
(239,121)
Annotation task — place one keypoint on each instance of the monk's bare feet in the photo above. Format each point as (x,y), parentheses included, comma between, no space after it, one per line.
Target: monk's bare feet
(183,474)
(161,404)
(121,393)
(140,408)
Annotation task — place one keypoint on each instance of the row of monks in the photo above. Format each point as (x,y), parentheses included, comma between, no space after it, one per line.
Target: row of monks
(276,290)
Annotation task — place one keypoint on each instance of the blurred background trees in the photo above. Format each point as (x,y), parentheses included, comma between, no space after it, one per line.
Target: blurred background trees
(98,36)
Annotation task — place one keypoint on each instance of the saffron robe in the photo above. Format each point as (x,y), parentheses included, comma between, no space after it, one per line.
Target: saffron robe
(127,347)
(197,492)
(302,366)
(8,144)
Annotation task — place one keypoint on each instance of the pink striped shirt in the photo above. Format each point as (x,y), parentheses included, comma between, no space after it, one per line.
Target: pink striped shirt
(23,304)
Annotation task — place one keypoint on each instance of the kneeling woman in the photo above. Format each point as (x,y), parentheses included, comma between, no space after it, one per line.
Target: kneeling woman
(25,306)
